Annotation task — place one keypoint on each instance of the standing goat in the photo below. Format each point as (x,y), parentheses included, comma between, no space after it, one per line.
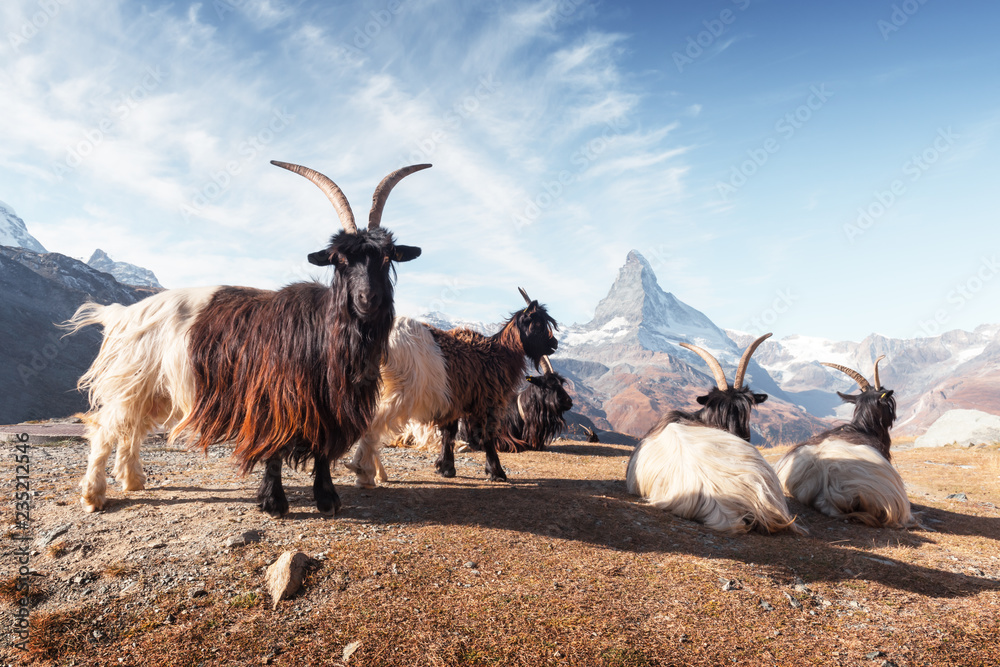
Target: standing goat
(846,472)
(701,465)
(438,377)
(287,375)
(534,418)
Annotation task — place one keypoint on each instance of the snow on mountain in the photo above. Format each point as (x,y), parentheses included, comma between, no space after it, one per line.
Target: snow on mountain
(14,233)
(930,376)
(628,369)
(125,273)
(444,322)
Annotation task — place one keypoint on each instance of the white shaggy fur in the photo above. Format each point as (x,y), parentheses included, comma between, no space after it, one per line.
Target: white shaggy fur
(414,386)
(842,479)
(709,475)
(142,377)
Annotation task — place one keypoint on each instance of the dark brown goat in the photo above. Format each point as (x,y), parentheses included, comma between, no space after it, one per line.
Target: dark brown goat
(438,377)
(290,375)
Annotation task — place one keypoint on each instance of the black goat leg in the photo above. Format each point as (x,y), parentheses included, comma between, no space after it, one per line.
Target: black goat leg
(327,500)
(445,465)
(271,494)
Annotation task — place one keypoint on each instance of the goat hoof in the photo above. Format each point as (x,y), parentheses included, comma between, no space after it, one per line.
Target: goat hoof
(502,477)
(274,509)
(95,506)
(328,506)
(362,484)
(445,471)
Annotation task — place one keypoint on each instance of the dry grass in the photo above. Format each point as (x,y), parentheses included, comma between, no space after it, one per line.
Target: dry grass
(559,567)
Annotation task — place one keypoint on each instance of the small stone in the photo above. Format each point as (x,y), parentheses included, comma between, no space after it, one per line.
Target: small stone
(284,576)
(792,601)
(197,593)
(472,565)
(888,663)
(171,618)
(874,655)
(684,639)
(766,606)
(960,497)
(731,585)
(349,651)
(559,654)
(243,539)
(49,536)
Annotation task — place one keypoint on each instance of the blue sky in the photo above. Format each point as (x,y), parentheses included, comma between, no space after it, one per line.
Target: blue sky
(797,167)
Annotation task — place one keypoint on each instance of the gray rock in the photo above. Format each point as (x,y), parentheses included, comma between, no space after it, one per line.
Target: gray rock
(961,497)
(243,539)
(197,593)
(792,601)
(49,536)
(766,606)
(961,427)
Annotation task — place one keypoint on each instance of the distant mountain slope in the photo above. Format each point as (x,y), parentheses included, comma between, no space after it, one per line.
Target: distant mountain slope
(628,370)
(14,233)
(956,370)
(125,273)
(38,367)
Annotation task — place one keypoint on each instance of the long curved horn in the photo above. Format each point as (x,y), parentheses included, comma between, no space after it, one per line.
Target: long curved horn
(330,189)
(383,190)
(851,373)
(878,385)
(713,363)
(527,299)
(547,365)
(741,370)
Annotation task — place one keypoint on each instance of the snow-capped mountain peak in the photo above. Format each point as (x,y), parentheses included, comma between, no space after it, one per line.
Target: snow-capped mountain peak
(14,233)
(638,311)
(125,273)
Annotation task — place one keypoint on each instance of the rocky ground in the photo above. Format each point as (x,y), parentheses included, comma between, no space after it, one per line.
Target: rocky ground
(559,566)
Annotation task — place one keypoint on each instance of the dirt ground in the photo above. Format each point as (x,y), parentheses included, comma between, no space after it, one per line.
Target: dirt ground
(558,567)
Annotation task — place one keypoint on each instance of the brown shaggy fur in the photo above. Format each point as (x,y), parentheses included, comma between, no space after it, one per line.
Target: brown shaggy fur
(301,383)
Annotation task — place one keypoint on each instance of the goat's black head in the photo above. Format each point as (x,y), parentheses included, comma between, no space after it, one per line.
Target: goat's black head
(362,259)
(724,407)
(549,387)
(535,327)
(874,407)
(729,409)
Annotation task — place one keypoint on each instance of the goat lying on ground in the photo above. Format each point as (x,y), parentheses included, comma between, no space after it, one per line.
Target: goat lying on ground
(847,471)
(534,418)
(701,465)
(438,377)
(290,375)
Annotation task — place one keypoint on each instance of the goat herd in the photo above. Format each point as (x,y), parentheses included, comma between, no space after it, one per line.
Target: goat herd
(303,373)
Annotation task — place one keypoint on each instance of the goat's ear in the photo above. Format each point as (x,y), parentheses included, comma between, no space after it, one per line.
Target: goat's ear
(702,400)
(759,398)
(886,393)
(404,253)
(321,258)
(847,398)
